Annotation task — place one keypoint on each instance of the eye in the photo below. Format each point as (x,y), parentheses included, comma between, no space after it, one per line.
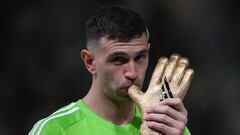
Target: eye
(140,57)
(118,60)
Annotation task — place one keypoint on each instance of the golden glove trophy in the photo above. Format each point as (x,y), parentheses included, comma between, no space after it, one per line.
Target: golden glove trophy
(171,78)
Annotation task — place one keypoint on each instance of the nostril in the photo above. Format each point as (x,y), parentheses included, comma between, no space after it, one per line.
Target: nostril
(131,78)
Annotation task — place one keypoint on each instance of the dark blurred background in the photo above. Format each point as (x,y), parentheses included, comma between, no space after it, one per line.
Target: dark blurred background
(41,70)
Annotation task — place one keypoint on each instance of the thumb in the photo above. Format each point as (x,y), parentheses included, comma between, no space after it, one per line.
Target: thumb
(135,93)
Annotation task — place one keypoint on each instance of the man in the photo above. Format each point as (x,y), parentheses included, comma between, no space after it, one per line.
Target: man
(116,57)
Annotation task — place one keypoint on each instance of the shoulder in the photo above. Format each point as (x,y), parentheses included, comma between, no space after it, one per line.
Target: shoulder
(57,122)
(186,131)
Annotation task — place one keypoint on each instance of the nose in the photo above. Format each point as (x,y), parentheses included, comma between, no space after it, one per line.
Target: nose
(131,72)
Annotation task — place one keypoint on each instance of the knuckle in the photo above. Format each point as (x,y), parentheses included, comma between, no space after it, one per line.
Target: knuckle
(153,124)
(181,126)
(165,109)
(162,117)
(185,120)
(178,132)
(178,101)
(162,127)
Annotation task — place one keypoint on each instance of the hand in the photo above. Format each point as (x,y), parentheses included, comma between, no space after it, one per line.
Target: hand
(169,117)
(179,75)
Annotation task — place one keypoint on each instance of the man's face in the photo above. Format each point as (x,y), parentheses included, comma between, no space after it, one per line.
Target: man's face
(119,65)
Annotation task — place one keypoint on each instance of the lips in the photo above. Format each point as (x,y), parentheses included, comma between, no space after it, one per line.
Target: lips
(124,90)
(125,87)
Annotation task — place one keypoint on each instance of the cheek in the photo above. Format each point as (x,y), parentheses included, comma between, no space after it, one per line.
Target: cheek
(108,75)
(143,68)
(113,73)
(142,71)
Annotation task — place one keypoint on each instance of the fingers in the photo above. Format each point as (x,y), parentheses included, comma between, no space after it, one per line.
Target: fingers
(170,117)
(187,78)
(162,118)
(179,75)
(157,74)
(173,107)
(166,130)
(177,104)
(179,71)
(171,65)
(173,68)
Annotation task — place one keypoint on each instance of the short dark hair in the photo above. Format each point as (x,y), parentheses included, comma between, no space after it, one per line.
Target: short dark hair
(114,22)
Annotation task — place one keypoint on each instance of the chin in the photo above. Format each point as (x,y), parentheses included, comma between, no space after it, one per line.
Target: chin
(125,98)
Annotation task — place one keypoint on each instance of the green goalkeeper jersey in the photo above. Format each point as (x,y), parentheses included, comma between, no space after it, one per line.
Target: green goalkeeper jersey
(78,119)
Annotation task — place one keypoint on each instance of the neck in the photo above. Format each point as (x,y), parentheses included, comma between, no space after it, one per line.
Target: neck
(119,113)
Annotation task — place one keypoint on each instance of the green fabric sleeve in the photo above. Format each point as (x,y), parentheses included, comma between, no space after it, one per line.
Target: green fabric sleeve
(186,131)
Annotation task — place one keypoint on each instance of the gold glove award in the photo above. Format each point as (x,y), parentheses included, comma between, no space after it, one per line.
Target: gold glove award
(171,78)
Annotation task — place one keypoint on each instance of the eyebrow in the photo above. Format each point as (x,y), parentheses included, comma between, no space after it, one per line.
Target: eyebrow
(143,51)
(117,53)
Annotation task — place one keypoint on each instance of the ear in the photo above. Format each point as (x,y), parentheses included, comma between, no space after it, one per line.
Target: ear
(88,61)
(149,45)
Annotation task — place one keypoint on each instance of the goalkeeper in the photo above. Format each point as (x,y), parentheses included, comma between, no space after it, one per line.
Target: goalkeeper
(116,56)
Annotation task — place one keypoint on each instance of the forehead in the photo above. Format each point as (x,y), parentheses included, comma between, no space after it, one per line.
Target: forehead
(134,45)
